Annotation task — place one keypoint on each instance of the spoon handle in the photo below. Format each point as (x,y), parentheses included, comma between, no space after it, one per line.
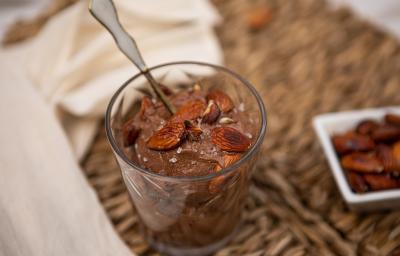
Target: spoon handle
(105,12)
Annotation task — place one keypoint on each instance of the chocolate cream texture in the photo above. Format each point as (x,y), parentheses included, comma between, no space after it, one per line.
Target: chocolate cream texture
(207,133)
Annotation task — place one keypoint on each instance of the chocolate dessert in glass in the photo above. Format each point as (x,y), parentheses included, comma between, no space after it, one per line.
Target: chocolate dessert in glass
(187,173)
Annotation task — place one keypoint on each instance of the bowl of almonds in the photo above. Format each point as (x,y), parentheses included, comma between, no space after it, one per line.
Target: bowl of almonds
(363,151)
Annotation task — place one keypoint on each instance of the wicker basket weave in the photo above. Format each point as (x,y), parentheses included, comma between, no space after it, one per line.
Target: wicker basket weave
(307,60)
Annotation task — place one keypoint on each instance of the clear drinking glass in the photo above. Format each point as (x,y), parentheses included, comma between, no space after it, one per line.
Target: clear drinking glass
(187,215)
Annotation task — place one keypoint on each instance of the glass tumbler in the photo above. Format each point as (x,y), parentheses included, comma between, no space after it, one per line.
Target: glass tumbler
(187,215)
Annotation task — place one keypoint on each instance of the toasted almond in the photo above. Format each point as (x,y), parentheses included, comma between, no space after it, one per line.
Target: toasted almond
(386,134)
(259,17)
(230,159)
(352,141)
(386,155)
(166,90)
(226,120)
(223,101)
(216,184)
(193,131)
(367,127)
(196,87)
(189,111)
(381,182)
(211,113)
(356,181)
(168,137)
(130,132)
(362,162)
(392,119)
(145,105)
(229,139)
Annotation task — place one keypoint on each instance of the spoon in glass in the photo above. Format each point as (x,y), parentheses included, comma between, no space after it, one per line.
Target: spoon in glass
(104,11)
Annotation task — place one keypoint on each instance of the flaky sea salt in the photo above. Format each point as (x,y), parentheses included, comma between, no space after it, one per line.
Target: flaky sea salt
(249,135)
(136,146)
(145,159)
(154,100)
(241,107)
(139,156)
(179,150)
(173,160)
(202,152)
(193,162)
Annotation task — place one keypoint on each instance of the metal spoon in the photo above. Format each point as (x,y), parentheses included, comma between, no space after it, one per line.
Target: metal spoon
(105,12)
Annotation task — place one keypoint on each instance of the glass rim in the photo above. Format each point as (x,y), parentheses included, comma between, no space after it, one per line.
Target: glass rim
(246,156)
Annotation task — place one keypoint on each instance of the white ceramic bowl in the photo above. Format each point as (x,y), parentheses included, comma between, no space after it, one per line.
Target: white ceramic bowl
(333,123)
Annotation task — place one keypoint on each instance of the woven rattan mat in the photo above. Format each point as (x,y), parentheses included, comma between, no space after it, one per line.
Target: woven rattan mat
(307,60)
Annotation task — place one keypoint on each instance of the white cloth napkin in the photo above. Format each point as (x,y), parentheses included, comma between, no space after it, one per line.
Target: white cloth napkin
(383,13)
(76,66)
(55,89)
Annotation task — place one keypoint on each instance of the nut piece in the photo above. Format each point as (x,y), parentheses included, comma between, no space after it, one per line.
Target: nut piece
(166,90)
(168,137)
(145,105)
(367,127)
(129,133)
(258,18)
(223,101)
(216,184)
(226,120)
(230,159)
(193,131)
(356,182)
(211,113)
(189,111)
(386,155)
(392,119)
(351,141)
(230,139)
(386,133)
(196,87)
(362,162)
(381,182)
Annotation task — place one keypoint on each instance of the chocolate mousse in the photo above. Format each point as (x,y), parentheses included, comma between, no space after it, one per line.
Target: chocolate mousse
(206,130)
(207,133)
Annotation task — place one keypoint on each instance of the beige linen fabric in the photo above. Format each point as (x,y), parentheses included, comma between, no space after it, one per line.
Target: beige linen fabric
(54,91)
(76,66)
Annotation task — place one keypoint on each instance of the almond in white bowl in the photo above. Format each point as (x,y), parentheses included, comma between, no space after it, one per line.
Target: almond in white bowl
(361,148)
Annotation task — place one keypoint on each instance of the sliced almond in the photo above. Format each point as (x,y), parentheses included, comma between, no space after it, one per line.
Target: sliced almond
(367,127)
(211,113)
(229,139)
(189,111)
(166,90)
(196,87)
(230,159)
(381,182)
(130,132)
(224,102)
(392,119)
(386,134)
(356,181)
(193,131)
(259,18)
(362,162)
(352,141)
(145,105)
(226,120)
(386,155)
(168,137)
(216,184)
